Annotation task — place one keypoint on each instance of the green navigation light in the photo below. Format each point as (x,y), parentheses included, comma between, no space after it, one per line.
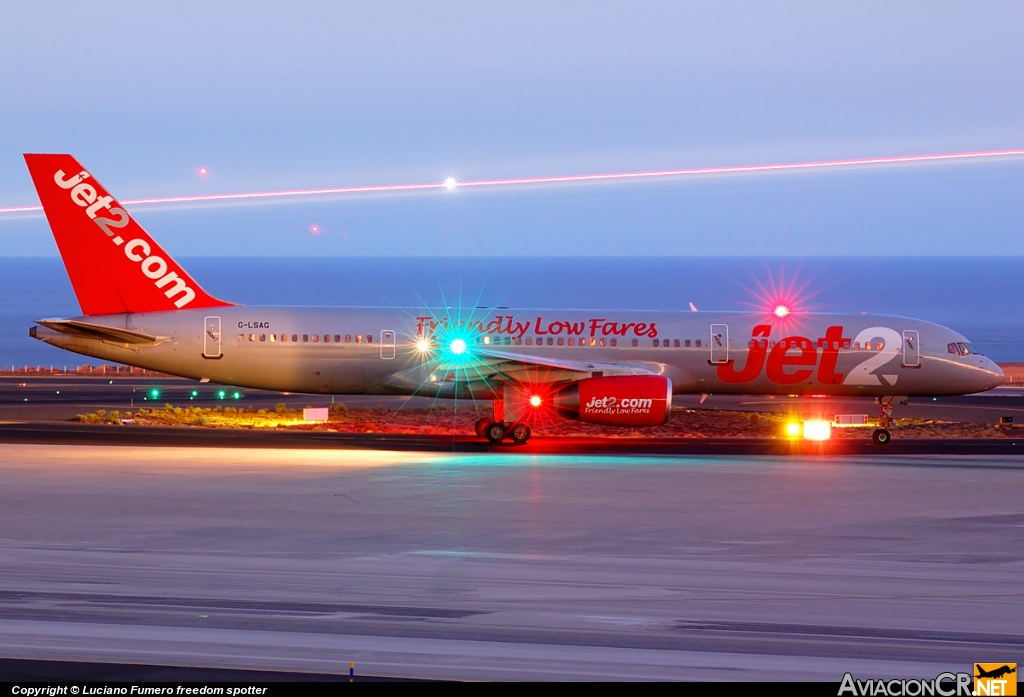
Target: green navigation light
(220,394)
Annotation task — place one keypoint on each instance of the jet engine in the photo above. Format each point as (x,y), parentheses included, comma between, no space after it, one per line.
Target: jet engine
(621,400)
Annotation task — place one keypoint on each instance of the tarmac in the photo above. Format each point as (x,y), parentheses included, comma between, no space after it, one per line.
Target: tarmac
(509,565)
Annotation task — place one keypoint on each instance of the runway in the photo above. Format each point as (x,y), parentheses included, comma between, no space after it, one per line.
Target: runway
(511,566)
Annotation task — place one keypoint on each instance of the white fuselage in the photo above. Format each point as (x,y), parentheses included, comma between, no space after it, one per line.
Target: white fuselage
(408,350)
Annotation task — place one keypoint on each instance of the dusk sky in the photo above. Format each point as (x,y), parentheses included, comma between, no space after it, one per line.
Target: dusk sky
(295,95)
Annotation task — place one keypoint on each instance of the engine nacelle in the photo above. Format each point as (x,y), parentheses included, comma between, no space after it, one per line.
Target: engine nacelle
(620,400)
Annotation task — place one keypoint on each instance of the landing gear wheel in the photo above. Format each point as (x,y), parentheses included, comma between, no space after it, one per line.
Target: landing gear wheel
(495,432)
(881,436)
(480,428)
(520,433)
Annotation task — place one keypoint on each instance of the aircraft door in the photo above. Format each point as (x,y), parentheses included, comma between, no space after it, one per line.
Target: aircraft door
(719,343)
(911,349)
(387,344)
(211,337)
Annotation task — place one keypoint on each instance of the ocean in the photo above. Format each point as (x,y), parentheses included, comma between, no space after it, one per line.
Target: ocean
(977,296)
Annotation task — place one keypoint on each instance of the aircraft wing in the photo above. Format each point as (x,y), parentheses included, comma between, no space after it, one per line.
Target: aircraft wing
(511,364)
(102,332)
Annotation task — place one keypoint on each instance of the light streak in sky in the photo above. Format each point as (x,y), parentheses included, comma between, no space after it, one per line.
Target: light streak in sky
(451,184)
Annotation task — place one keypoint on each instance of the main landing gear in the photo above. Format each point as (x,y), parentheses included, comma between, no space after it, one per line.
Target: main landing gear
(881,436)
(497,431)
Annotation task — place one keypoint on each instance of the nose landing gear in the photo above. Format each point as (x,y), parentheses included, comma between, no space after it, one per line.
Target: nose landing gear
(881,436)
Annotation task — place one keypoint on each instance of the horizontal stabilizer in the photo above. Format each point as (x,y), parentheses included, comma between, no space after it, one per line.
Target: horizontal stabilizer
(75,327)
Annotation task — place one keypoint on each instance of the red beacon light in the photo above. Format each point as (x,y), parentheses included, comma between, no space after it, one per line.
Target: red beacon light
(536,401)
(781,311)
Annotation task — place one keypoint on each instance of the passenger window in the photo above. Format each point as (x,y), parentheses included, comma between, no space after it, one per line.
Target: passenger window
(867,345)
(517,341)
(635,342)
(252,337)
(529,341)
(601,342)
(686,343)
(550,341)
(327,338)
(805,345)
(305,338)
(572,341)
(369,338)
(771,344)
(880,345)
(316,338)
(675,342)
(241,337)
(593,342)
(752,344)
(561,341)
(656,342)
(846,344)
(697,343)
(337,338)
(359,338)
(614,342)
(273,338)
(263,337)
(295,337)
(835,345)
(508,340)
(348,338)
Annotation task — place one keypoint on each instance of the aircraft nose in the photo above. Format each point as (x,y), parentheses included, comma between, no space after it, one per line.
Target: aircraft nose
(989,375)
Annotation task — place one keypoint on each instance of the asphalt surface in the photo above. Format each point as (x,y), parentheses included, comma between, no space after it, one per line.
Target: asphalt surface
(154,436)
(511,565)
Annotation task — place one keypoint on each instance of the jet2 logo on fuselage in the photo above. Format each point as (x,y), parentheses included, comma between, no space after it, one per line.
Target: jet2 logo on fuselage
(783,367)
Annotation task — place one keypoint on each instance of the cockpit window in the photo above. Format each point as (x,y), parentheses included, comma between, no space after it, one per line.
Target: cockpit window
(962,349)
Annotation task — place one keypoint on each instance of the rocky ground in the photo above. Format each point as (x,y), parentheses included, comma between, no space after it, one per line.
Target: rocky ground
(688,423)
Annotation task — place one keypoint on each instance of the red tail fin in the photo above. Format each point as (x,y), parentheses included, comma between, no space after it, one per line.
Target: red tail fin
(114,265)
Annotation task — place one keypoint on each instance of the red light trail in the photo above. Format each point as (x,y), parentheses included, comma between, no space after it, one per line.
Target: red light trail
(450,184)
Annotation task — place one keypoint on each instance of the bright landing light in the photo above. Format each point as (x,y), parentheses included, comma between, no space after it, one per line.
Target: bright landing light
(458,347)
(781,311)
(535,401)
(422,345)
(451,184)
(817,430)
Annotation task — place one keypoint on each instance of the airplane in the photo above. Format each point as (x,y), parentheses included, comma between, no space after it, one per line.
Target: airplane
(994,673)
(617,368)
